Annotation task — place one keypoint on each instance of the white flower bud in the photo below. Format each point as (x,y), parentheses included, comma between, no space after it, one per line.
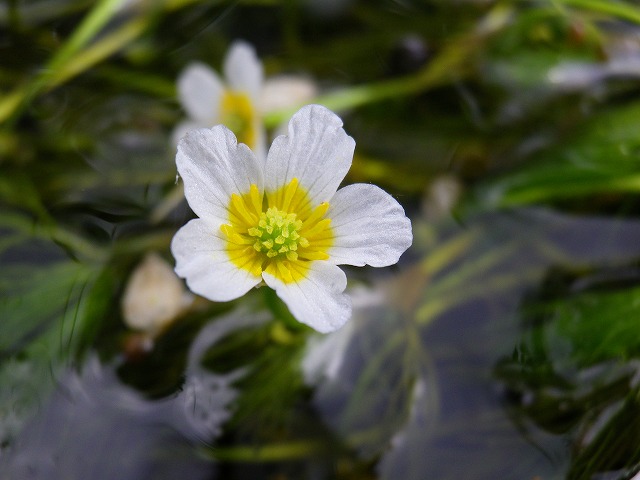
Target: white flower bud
(154,296)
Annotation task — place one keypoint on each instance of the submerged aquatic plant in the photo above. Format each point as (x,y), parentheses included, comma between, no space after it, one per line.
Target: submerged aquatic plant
(282,220)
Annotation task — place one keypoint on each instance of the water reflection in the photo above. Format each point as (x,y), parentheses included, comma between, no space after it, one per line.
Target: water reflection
(410,381)
(94,426)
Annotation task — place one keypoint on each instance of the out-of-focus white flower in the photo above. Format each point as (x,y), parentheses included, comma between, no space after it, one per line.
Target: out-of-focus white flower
(232,101)
(286,91)
(239,99)
(282,220)
(154,296)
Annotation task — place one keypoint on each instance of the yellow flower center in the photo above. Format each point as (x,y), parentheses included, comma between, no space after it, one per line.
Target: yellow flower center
(238,115)
(279,233)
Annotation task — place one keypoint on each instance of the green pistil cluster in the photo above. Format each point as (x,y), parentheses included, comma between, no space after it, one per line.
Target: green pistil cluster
(277,234)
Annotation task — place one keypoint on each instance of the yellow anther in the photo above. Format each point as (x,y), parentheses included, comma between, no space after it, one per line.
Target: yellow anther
(279,232)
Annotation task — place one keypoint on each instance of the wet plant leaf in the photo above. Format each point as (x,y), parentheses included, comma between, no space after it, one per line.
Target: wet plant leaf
(575,369)
(34,298)
(600,326)
(614,447)
(600,157)
(42,317)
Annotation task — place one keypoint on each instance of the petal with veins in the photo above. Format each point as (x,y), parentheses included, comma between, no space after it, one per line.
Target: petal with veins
(318,299)
(214,166)
(316,151)
(369,227)
(202,259)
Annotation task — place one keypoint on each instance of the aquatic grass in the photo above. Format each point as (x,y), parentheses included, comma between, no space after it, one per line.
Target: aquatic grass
(53,231)
(99,15)
(598,157)
(75,57)
(618,9)
(452,61)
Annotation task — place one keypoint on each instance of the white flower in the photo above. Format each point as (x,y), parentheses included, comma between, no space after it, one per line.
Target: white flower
(281,219)
(240,99)
(210,100)
(286,91)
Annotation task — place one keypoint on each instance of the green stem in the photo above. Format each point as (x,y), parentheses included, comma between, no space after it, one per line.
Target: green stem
(71,60)
(101,13)
(168,204)
(265,453)
(472,271)
(497,284)
(628,184)
(97,52)
(58,234)
(454,58)
(445,253)
(147,83)
(142,243)
(609,7)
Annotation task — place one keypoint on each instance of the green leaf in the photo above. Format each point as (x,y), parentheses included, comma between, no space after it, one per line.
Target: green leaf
(18,190)
(35,298)
(600,326)
(602,156)
(574,371)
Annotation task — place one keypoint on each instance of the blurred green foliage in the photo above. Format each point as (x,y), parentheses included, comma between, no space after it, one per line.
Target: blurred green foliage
(524,106)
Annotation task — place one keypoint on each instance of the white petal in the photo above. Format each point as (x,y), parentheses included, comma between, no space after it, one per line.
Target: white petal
(200,90)
(317,300)
(243,70)
(201,258)
(286,91)
(213,166)
(316,151)
(370,227)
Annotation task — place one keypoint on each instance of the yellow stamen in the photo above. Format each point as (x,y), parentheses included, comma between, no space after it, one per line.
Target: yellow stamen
(266,233)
